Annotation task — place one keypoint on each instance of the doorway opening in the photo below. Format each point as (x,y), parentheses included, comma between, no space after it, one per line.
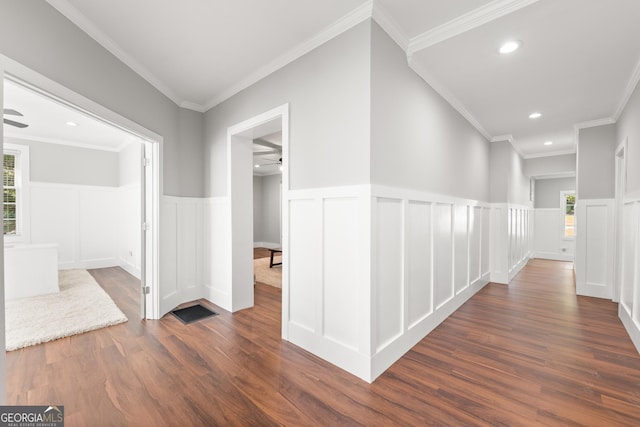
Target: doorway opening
(141,146)
(240,174)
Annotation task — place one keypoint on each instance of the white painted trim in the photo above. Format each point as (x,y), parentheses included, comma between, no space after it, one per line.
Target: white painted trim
(555,176)
(628,91)
(26,137)
(350,20)
(555,256)
(463,23)
(382,16)
(632,327)
(550,154)
(501,138)
(86,25)
(267,245)
(448,96)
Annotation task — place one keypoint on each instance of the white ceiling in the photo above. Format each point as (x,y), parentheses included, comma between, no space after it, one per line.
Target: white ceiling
(578,63)
(47,122)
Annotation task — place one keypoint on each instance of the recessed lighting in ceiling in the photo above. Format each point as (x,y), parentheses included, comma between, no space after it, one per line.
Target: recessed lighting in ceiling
(510,46)
(256,166)
(72,124)
(535,115)
(548,143)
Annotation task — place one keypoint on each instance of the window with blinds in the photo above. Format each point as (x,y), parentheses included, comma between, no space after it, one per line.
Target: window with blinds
(10,195)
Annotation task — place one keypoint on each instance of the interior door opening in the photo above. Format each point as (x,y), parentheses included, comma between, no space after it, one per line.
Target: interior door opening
(37,105)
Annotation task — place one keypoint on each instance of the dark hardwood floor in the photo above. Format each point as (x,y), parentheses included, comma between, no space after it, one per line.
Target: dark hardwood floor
(531,353)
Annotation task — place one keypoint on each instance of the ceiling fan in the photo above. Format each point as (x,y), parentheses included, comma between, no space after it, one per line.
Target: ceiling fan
(11,112)
(278,163)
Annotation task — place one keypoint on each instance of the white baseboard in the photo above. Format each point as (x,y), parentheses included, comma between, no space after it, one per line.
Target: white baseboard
(632,327)
(554,256)
(267,245)
(89,264)
(130,268)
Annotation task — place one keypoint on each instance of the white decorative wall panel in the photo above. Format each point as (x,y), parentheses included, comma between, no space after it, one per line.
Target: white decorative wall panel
(594,247)
(443,255)
(98,222)
(629,255)
(340,271)
(419,261)
(475,230)
(54,211)
(389,270)
(216,257)
(305,262)
(485,244)
(461,248)
(129,229)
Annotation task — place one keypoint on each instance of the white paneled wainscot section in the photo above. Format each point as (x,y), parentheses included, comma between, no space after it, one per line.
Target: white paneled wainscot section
(595,247)
(629,307)
(374,269)
(511,242)
(81,220)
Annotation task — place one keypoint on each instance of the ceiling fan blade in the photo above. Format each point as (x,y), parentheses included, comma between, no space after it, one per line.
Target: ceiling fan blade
(12,112)
(16,124)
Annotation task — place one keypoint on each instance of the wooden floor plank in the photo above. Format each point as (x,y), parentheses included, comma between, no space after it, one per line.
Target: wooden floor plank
(531,353)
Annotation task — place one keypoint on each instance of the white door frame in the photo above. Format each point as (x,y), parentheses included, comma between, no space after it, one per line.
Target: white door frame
(621,178)
(244,220)
(41,84)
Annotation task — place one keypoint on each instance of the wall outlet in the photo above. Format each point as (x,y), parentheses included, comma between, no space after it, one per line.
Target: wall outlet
(564,249)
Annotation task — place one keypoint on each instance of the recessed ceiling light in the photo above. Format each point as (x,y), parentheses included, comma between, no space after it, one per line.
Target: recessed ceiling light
(256,166)
(510,46)
(548,143)
(535,115)
(73,124)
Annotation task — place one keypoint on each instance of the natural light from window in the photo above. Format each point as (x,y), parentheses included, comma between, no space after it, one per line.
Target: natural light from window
(568,211)
(10,194)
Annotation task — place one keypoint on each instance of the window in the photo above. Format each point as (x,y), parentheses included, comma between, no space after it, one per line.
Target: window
(15,198)
(568,210)
(9,205)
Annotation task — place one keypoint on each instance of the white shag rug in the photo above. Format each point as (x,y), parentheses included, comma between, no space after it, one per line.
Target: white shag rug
(80,306)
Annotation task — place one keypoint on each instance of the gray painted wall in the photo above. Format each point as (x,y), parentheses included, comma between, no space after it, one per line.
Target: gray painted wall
(257,209)
(548,191)
(499,171)
(517,182)
(328,95)
(51,45)
(266,209)
(596,163)
(628,126)
(508,183)
(551,165)
(65,164)
(418,140)
(130,165)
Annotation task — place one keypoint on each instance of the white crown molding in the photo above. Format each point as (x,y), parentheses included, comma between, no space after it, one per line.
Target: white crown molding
(448,96)
(500,138)
(26,137)
(192,106)
(343,24)
(466,22)
(555,176)
(390,26)
(628,91)
(550,154)
(86,25)
(594,123)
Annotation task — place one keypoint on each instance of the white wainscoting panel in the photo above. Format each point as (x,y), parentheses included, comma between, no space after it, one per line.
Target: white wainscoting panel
(511,240)
(629,307)
(182,251)
(548,240)
(81,220)
(443,254)
(485,242)
(433,266)
(129,228)
(217,256)
(594,247)
(461,248)
(389,296)
(419,265)
(340,271)
(475,241)
(499,243)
